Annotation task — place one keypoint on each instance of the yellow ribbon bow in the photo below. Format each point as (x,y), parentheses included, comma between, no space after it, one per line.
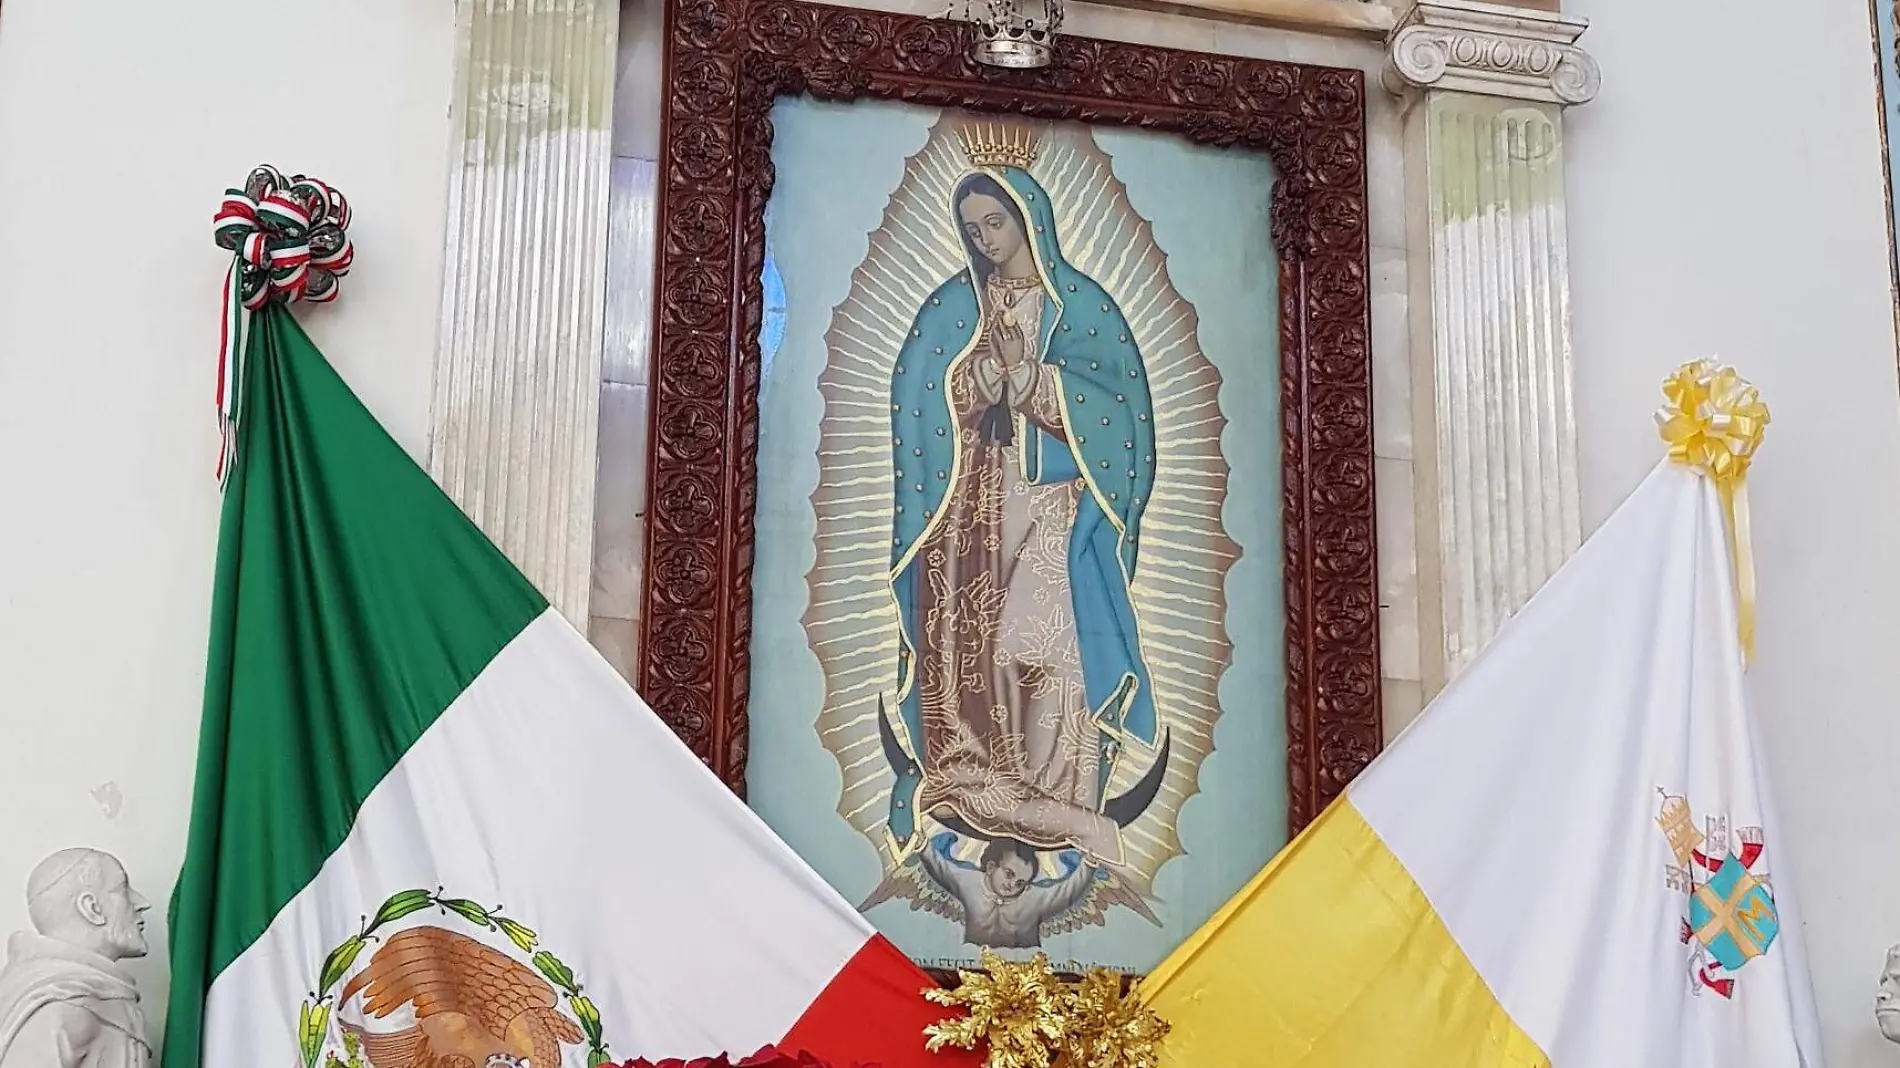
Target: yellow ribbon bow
(1713,420)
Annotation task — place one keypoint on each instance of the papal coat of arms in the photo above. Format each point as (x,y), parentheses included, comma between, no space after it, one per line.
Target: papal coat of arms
(1729,913)
(433,997)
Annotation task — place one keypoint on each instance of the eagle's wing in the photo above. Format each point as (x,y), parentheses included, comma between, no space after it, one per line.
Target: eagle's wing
(547,1031)
(438,970)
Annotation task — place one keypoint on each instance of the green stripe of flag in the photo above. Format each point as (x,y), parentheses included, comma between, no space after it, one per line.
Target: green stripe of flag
(353,602)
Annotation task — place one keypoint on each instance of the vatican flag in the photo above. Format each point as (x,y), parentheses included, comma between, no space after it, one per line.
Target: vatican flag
(432,828)
(1570,859)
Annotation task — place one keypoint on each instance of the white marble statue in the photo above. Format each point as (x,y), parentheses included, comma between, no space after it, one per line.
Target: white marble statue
(64,1000)
(1887,1001)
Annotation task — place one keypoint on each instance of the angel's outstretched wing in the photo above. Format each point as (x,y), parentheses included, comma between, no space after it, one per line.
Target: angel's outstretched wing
(1105,891)
(909,883)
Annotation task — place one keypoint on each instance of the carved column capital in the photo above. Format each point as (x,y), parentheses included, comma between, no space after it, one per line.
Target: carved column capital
(1495,429)
(1491,50)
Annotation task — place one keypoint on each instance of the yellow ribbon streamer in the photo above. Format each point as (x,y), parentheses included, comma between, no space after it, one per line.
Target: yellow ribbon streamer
(1713,420)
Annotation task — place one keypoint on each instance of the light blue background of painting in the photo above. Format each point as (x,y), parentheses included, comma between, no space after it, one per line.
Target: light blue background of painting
(837,166)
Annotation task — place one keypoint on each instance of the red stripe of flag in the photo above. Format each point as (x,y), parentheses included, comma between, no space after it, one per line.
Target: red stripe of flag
(873,1011)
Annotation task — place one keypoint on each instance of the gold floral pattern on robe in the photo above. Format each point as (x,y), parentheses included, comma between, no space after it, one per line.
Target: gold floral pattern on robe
(1009,737)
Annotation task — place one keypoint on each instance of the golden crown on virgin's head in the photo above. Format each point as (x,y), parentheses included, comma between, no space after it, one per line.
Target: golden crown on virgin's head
(999,144)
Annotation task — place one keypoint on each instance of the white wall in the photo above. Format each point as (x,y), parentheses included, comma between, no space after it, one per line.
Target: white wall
(1725,197)
(121,123)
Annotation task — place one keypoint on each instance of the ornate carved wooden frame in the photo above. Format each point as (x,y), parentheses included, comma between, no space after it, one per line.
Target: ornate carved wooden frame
(726,61)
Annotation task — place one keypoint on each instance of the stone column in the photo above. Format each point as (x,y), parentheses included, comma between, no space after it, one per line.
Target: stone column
(1485,86)
(517,375)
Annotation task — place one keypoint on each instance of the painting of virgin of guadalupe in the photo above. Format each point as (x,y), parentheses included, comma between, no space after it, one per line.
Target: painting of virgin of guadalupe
(1023,450)
(1017,588)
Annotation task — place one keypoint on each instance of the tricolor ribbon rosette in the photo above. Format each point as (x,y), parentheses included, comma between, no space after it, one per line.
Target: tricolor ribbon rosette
(289,241)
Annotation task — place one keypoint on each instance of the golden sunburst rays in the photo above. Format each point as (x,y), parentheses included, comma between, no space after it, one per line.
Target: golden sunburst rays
(851,621)
(1179,590)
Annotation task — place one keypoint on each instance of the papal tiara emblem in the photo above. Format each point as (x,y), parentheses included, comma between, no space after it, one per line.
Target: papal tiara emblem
(998,144)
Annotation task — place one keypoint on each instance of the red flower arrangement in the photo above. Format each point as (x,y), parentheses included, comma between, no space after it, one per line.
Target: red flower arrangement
(769,1057)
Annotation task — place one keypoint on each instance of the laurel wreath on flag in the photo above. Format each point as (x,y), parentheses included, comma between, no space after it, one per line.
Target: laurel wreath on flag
(289,241)
(313,1022)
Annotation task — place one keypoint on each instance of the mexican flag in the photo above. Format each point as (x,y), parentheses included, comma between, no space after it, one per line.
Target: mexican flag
(432,828)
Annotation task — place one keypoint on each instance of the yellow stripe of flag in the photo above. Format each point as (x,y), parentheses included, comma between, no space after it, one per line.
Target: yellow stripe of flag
(1331,956)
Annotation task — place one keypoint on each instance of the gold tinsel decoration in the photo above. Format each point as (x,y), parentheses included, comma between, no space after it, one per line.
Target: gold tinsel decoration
(1029,1018)
(1017,1008)
(1107,1029)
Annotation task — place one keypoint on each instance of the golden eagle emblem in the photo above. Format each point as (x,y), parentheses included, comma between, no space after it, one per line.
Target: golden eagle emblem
(469,1004)
(474,1007)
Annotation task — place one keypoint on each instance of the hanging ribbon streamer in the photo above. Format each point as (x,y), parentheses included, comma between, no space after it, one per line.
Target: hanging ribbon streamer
(289,241)
(1713,420)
